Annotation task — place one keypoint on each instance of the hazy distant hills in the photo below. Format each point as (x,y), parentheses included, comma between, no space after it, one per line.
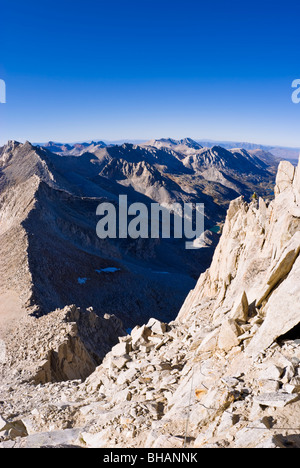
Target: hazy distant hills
(49,252)
(277,152)
(73,149)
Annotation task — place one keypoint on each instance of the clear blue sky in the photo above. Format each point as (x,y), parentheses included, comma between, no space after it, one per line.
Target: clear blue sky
(81,70)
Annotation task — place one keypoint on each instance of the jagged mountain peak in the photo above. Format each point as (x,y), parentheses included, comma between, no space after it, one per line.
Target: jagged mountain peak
(20,161)
(171,142)
(190,143)
(254,245)
(231,161)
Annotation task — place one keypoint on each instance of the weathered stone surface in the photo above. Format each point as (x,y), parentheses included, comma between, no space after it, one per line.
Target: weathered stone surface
(249,437)
(228,335)
(227,421)
(96,440)
(121,349)
(271,372)
(276,400)
(241,309)
(282,312)
(140,336)
(272,442)
(268,386)
(210,342)
(3,423)
(281,268)
(66,437)
(156,326)
(285,177)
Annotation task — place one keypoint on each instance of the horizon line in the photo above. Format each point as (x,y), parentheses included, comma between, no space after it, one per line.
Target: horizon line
(145,140)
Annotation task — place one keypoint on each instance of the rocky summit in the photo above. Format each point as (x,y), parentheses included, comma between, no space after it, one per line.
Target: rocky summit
(224,374)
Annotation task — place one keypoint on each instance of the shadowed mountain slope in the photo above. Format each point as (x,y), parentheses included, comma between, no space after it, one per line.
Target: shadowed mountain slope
(50,253)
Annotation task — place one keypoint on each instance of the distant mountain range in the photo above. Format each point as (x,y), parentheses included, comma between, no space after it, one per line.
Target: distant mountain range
(49,252)
(280,152)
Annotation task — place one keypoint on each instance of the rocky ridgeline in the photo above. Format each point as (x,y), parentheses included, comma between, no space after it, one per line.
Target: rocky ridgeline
(226,373)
